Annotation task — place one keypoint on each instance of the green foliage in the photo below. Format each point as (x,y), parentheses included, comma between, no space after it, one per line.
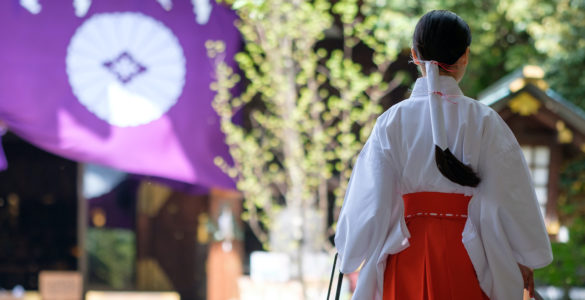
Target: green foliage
(572,200)
(507,34)
(499,45)
(311,108)
(558,30)
(111,257)
(568,267)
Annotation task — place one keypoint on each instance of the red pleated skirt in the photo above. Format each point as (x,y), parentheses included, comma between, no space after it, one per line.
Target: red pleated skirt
(436,265)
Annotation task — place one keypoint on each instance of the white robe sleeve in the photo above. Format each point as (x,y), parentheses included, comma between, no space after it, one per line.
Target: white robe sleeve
(370,205)
(510,223)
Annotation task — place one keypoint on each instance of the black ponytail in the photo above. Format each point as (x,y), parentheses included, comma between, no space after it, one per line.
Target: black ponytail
(454,169)
(443,36)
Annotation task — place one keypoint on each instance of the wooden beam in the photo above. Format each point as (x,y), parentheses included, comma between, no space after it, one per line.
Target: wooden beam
(224,265)
(82,223)
(550,120)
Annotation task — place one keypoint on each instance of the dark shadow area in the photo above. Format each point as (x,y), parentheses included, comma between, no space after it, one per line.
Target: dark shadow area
(38,214)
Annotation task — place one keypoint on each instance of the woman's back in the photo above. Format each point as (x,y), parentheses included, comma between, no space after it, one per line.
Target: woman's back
(504,225)
(440,204)
(408,128)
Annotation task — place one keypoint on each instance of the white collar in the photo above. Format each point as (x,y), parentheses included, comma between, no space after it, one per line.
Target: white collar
(448,86)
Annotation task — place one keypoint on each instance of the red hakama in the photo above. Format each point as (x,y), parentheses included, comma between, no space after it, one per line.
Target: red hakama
(436,265)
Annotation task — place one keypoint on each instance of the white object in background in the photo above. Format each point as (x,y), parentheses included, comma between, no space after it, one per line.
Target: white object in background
(166,4)
(550,292)
(202,10)
(81,7)
(577,293)
(60,285)
(103,295)
(18,291)
(254,290)
(127,68)
(317,265)
(226,228)
(100,180)
(563,235)
(33,6)
(270,266)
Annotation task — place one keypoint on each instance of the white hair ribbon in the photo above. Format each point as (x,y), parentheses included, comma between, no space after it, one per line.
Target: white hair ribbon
(436,105)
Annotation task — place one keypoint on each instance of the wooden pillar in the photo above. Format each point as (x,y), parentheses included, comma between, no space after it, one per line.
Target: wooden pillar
(82,223)
(171,252)
(224,265)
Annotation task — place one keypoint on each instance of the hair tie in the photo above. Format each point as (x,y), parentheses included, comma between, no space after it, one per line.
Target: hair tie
(446,97)
(446,67)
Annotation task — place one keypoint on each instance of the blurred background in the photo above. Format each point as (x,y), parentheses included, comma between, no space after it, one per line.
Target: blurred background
(194,149)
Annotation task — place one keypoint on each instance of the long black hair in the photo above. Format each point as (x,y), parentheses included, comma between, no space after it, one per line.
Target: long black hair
(442,36)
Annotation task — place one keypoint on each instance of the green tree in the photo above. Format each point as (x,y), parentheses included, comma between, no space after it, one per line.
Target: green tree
(111,256)
(313,109)
(557,28)
(499,44)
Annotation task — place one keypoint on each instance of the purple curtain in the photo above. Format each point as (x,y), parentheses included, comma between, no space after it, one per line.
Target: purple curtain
(126,85)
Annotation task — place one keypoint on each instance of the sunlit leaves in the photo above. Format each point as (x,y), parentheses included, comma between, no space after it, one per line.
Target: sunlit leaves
(310,108)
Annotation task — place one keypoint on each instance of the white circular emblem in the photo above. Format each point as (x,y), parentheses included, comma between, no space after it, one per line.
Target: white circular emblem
(126,68)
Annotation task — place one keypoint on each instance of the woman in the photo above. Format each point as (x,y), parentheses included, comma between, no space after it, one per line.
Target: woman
(440,204)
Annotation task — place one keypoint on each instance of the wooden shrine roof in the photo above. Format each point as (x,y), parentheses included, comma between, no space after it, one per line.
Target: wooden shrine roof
(525,93)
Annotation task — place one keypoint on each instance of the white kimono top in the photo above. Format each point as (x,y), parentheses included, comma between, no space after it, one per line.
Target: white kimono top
(504,227)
